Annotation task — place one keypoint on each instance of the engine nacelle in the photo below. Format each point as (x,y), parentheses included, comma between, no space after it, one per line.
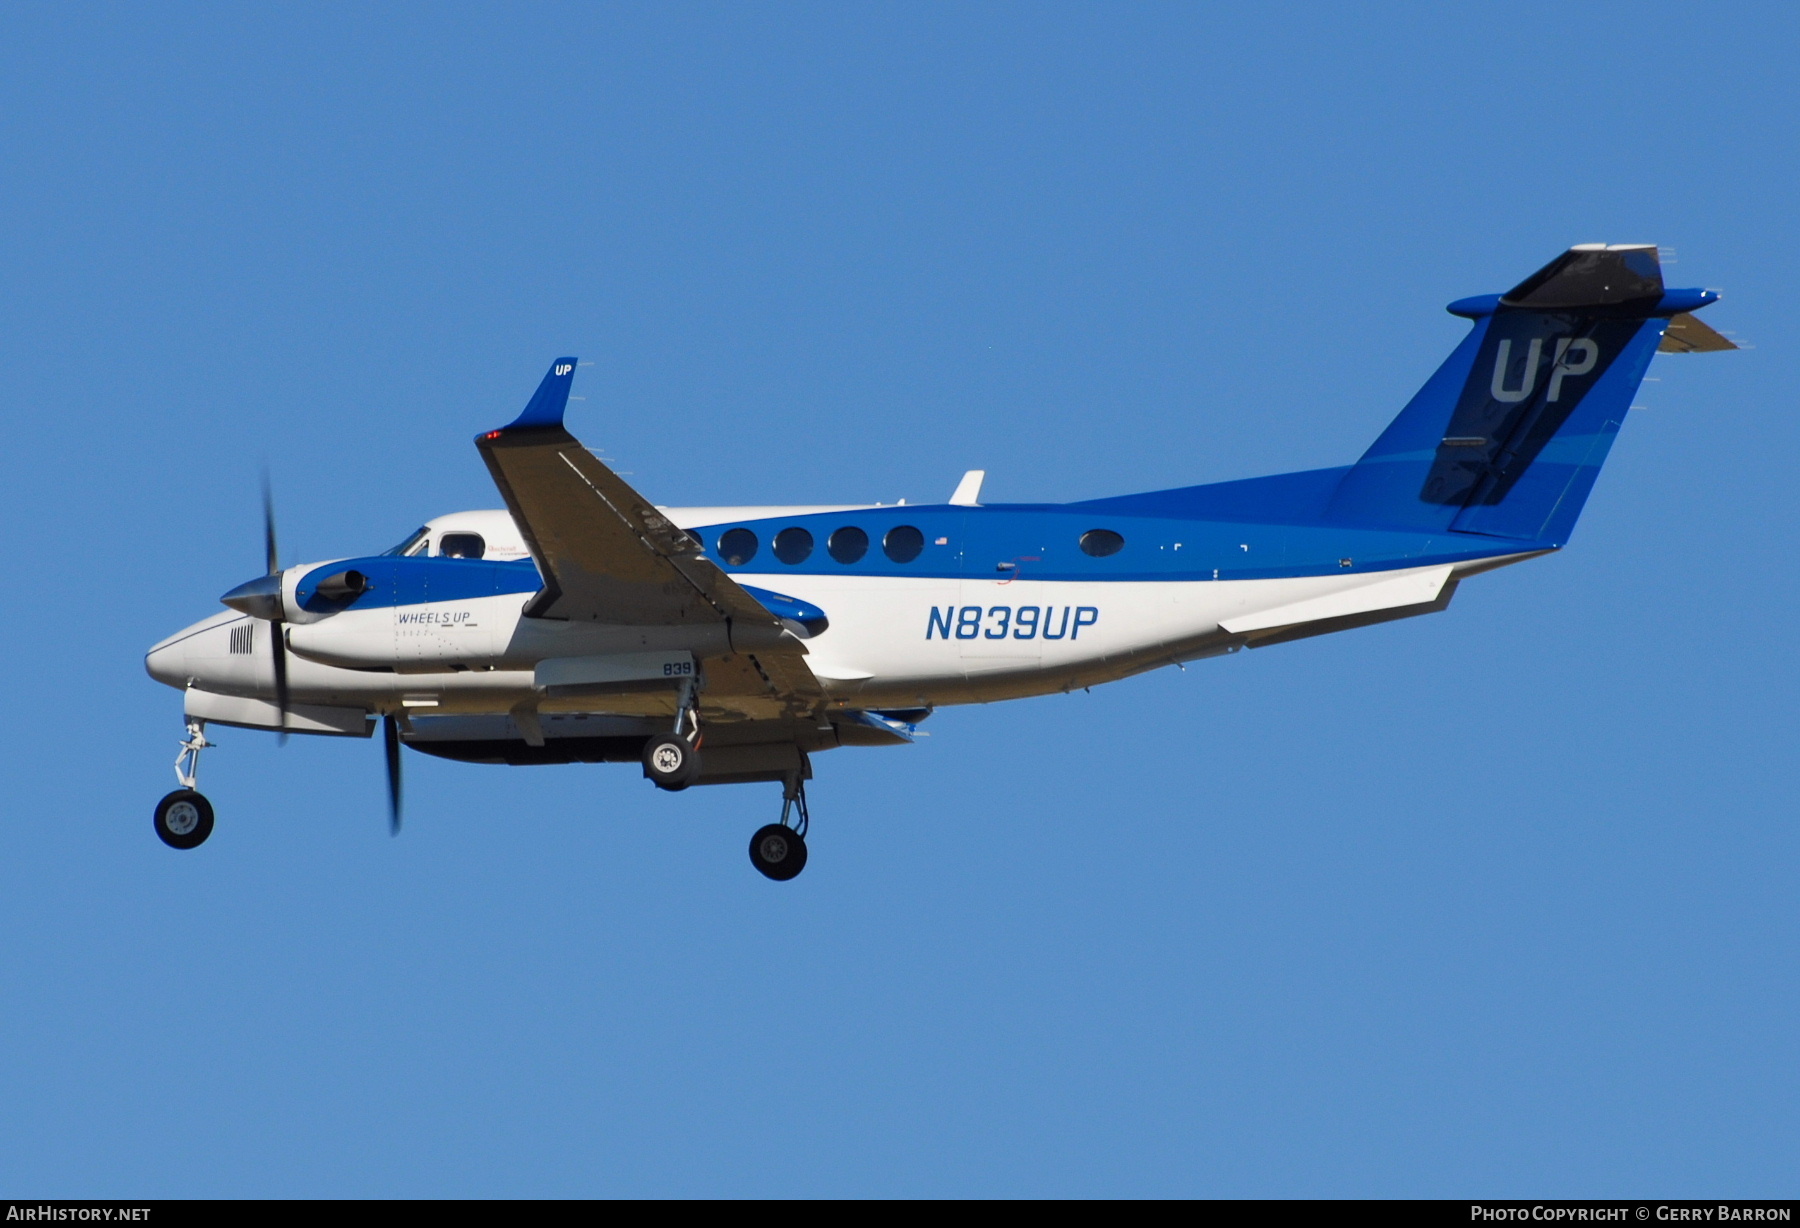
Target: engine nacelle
(483,633)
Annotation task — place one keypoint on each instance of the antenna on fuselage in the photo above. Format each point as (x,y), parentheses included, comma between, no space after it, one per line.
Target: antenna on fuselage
(968,491)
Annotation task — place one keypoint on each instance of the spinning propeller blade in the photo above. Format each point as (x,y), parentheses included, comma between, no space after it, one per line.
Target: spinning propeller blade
(277,633)
(390,734)
(278,641)
(269,551)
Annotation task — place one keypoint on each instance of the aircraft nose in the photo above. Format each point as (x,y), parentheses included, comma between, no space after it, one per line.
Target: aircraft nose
(167,663)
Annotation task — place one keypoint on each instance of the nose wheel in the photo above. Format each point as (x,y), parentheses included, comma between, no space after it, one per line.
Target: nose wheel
(184,819)
(778,851)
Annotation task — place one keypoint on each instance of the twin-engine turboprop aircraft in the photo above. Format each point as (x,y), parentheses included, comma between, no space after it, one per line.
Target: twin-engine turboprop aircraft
(722,645)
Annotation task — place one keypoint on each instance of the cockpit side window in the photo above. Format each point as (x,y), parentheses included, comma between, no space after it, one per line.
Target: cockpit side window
(411,544)
(461,546)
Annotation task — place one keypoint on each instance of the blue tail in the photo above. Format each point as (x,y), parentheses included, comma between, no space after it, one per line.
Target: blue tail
(1506,439)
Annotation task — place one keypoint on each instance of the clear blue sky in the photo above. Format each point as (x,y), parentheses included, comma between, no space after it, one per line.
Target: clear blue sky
(1501,901)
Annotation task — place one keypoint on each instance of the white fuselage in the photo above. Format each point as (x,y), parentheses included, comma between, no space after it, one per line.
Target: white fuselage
(893,642)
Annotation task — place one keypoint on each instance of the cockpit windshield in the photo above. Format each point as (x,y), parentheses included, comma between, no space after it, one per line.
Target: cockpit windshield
(410,544)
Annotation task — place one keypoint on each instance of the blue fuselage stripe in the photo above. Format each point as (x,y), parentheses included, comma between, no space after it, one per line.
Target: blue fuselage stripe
(1024,541)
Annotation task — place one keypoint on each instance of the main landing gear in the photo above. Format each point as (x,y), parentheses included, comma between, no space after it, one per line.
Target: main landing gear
(779,850)
(672,760)
(184,819)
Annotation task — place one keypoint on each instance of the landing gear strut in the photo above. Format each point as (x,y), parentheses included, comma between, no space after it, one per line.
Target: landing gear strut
(184,819)
(672,760)
(779,850)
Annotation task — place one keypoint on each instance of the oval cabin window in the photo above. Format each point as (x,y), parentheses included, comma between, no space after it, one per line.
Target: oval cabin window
(848,544)
(793,545)
(737,546)
(903,543)
(1101,542)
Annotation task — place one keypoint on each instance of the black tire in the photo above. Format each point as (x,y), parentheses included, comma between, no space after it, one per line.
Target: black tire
(671,762)
(778,852)
(184,819)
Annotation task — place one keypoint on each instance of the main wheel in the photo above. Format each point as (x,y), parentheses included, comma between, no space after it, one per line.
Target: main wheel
(671,762)
(778,852)
(184,819)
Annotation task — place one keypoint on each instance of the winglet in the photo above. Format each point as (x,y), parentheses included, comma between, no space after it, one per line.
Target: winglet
(552,397)
(968,491)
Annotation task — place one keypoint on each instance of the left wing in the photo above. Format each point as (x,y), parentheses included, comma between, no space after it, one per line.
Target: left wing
(607,555)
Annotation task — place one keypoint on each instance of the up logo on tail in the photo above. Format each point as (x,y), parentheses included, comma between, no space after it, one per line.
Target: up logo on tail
(1574,356)
(563,368)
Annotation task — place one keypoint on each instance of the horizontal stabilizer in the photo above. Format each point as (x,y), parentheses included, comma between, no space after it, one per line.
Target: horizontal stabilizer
(1593,276)
(1687,335)
(1402,589)
(872,729)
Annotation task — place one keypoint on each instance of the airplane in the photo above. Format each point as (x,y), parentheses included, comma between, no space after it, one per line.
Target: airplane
(724,645)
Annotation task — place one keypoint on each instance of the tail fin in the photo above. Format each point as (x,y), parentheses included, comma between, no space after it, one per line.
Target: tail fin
(1507,437)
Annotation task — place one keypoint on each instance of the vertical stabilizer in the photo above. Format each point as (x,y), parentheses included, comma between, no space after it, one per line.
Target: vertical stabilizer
(1506,439)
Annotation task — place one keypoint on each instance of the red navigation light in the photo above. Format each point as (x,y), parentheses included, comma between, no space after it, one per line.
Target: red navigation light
(492,435)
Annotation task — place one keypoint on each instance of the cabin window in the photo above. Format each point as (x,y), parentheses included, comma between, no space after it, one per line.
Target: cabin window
(1101,542)
(737,546)
(793,545)
(412,541)
(848,544)
(461,546)
(903,543)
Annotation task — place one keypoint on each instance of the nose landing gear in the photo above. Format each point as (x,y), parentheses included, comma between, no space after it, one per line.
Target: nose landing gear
(184,819)
(778,850)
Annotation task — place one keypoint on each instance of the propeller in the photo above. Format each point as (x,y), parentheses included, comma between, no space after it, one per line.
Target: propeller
(390,735)
(261,598)
(277,628)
